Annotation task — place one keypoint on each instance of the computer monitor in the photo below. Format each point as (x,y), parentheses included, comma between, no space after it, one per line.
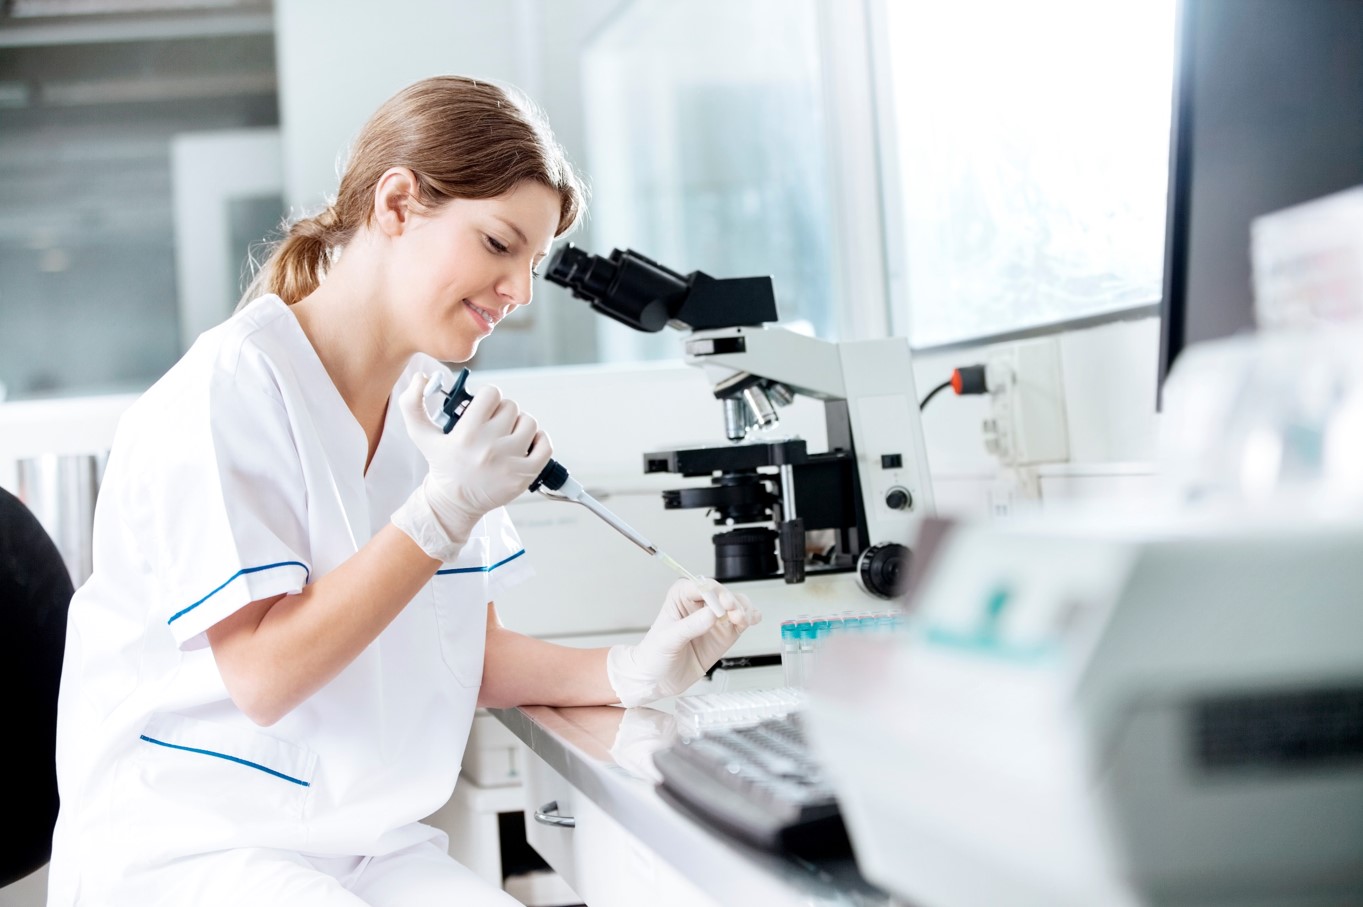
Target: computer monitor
(1268,113)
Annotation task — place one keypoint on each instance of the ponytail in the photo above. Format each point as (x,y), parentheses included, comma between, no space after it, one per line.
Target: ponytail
(296,264)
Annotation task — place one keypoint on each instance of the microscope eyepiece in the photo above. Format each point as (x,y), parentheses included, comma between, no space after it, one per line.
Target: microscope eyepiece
(627,287)
(639,292)
(565,264)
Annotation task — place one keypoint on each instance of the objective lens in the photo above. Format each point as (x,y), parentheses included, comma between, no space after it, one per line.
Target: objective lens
(764,414)
(780,394)
(735,419)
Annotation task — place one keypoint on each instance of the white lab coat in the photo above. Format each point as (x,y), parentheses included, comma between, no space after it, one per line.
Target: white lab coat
(240,475)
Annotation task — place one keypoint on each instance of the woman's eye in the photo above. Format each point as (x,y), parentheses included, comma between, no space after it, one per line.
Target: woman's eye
(534,273)
(499,247)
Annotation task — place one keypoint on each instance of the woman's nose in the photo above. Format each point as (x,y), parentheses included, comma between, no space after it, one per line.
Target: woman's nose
(516,288)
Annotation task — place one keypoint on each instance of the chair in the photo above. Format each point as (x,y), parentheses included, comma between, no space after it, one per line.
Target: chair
(35,591)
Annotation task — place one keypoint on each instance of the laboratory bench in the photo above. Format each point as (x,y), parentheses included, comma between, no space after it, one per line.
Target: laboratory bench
(593,812)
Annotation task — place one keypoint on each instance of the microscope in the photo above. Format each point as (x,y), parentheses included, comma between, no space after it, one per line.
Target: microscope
(787,511)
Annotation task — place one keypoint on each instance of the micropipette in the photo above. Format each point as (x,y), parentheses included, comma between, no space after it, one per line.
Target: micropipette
(555,483)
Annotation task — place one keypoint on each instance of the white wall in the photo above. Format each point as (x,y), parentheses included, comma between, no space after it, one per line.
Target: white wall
(1110,396)
(208,171)
(338,61)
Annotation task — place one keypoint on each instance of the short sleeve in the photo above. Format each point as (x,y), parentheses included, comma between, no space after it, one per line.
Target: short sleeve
(229,508)
(508,563)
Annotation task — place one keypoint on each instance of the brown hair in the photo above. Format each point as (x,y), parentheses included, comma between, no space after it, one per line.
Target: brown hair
(463,138)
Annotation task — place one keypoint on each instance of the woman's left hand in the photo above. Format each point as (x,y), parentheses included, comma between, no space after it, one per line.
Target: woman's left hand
(684,641)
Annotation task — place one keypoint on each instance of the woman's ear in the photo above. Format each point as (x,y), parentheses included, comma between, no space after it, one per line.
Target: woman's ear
(394,195)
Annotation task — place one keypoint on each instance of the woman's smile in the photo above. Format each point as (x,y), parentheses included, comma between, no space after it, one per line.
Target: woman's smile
(487,319)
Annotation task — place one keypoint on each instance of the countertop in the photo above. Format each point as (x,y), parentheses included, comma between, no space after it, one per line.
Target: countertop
(605,752)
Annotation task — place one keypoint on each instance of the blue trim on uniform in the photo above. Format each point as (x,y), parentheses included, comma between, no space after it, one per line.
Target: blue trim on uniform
(191,749)
(242,572)
(481,569)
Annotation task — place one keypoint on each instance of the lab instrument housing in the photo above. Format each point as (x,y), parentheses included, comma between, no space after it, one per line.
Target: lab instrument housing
(787,511)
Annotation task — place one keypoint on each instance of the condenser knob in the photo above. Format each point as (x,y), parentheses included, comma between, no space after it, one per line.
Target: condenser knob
(898,499)
(883,570)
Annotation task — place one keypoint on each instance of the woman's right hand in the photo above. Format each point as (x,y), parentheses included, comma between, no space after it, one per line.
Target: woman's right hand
(489,458)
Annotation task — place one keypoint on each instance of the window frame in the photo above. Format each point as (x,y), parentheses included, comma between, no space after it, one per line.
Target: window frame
(897,301)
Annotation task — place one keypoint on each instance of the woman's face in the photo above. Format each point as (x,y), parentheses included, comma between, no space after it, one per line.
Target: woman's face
(459,271)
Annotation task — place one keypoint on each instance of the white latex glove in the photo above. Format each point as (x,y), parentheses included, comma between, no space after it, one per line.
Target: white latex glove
(491,455)
(684,641)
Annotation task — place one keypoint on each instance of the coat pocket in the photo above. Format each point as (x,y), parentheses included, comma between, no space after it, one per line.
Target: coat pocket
(202,774)
(459,595)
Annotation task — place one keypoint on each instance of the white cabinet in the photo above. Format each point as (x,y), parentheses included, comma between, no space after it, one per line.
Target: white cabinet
(551,817)
(603,862)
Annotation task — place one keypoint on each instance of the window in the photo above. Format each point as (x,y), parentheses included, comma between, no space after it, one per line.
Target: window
(1027,162)
(87,227)
(704,126)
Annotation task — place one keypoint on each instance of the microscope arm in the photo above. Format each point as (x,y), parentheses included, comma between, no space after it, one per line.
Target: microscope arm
(806,365)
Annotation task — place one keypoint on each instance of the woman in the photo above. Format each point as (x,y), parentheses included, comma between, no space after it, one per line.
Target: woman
(271,674)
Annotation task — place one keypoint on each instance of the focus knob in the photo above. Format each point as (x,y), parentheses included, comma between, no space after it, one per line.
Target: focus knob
(883,570)
(898,499)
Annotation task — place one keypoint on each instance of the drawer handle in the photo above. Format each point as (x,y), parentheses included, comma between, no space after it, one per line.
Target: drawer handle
(548,815)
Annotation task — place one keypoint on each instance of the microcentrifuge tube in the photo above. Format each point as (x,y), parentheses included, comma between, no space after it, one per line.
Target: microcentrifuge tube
(790,653)
(805,633)
(820,633)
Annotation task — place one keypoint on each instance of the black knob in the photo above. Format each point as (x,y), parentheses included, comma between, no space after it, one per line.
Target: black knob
(552,476)
(898,499)
(883,569)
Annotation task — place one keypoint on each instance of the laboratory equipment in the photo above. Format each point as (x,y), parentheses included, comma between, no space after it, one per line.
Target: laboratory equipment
(804,638)
(554,481)
(1165,713)
(759,783)
(704,712)
(791,664)
(787,512)
(1308,262)
(1268,422)
(1278,126)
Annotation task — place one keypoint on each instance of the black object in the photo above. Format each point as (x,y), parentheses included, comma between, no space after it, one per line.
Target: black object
(934,392)
(552,476)
(966,380)
(1268,113)
(639,292)
(884,569)
(1273,731)
(518,856)
(899,499)
(733,662)
(456,400)
(759,784)
(741,494)
(745,553)
(969,379)
(35,589)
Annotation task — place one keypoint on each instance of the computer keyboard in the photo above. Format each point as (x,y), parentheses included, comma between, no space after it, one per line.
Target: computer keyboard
(759,783)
